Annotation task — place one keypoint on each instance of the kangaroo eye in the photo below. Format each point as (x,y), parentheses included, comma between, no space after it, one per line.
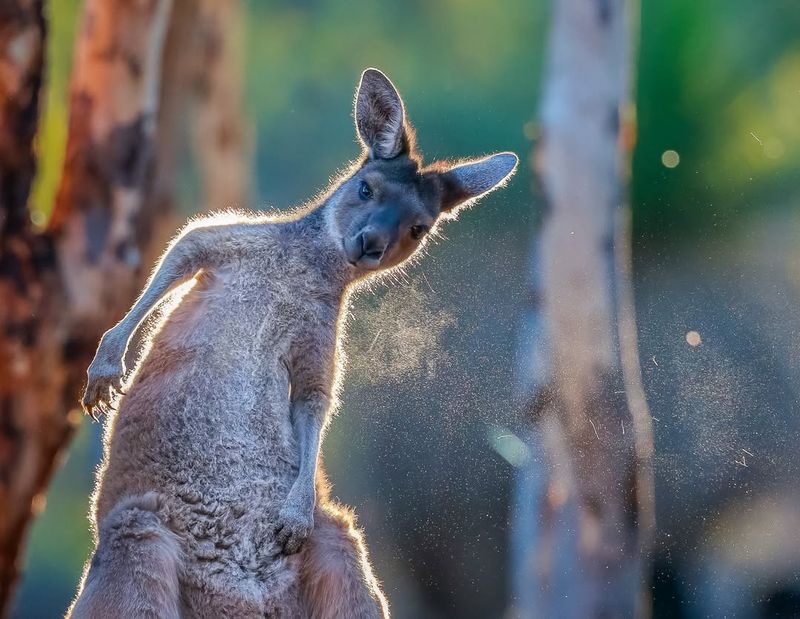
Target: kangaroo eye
(417,232)
(364,191)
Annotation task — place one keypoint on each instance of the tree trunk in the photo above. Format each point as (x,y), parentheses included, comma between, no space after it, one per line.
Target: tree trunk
(584,508)
(62,288)
(138,64)
(222,136)
(23,257)
(114,96)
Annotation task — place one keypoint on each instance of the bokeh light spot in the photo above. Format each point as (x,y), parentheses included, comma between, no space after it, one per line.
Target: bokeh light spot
(693,338)
(670,158)
(531,130)
(38,219)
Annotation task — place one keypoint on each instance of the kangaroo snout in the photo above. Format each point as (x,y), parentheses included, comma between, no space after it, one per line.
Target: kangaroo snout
(368,248)
(373,244)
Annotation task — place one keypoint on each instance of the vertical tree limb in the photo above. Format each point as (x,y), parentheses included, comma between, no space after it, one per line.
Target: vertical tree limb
(138,64)
(160,215)
(202,100)
(22,256)
(62,288)
(114,97)
(579,360)
(222,136)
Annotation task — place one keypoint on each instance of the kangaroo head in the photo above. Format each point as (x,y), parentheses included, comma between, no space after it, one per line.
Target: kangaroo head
(382,213)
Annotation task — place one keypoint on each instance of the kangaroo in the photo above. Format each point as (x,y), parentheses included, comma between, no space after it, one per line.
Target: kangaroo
(211,500)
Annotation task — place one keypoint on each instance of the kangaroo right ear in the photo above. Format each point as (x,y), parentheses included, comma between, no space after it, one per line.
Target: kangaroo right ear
(467,181)
(380,117)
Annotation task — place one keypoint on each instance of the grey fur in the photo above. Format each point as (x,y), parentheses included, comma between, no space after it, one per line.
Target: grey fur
(211,485)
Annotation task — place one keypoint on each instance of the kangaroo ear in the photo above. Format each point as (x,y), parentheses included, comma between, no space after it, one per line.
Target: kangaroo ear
(468,181)
(380,118)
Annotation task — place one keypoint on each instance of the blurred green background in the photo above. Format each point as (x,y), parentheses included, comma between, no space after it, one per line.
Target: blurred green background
(430,385)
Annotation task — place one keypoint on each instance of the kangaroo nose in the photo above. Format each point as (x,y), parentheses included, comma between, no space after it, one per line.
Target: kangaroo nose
(373,244)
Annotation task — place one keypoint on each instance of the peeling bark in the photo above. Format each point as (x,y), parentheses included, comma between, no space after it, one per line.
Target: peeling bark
(579,361)
(56,300)
(114,97)
(23,259)
(138,64)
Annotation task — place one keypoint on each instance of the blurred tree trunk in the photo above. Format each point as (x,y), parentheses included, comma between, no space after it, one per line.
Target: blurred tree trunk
(25,263)
(138,66)
(201,104)
(221,131)
(584,506)
(202,107)
(63,287)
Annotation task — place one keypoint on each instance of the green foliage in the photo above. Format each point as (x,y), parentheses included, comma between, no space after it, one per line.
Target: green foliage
(468,71)
(62,23)
(718,83)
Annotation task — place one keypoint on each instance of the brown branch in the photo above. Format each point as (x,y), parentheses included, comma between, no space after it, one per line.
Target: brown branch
(113,105)
(23,257)
(138,65)
(221,132)
(54,285)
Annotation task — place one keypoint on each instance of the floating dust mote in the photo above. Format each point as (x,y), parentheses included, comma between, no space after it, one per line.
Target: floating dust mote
(693,338)
(396,336)
(707,423)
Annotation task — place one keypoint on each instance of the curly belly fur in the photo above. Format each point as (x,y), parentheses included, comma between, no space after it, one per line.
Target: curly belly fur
(222,470)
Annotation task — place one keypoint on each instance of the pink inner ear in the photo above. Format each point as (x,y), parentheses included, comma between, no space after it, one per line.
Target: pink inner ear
(379,115)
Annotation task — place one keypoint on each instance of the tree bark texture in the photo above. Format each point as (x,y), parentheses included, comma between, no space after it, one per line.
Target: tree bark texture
(24,257)
(62,287)
(222,134)
(584,504)
(139,65)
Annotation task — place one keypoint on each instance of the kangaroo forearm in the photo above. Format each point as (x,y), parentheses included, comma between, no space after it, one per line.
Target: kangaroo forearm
(115,341)
(181,261)
(307,421)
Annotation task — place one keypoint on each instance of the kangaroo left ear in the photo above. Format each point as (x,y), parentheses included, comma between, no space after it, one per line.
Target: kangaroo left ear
(468,181)
(380,117)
